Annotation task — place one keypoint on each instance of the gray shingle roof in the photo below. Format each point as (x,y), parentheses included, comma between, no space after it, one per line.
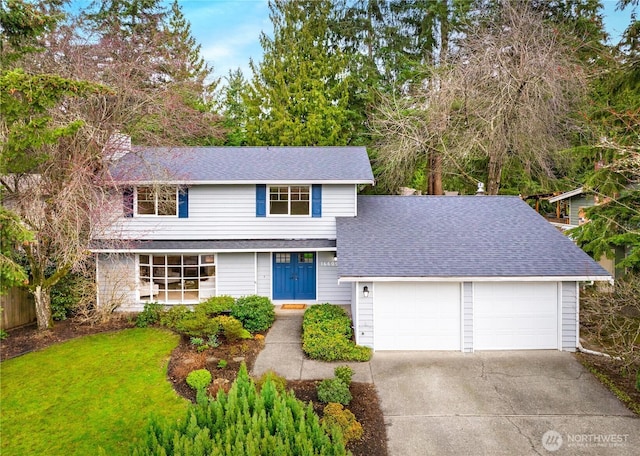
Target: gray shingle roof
(455,236)
(217,245)
(244,164)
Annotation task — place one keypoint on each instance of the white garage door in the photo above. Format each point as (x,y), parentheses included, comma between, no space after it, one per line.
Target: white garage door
(514,316)
(416,316)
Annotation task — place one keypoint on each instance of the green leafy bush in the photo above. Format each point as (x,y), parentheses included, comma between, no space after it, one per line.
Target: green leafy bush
(222,364)
(173,315)
(150,315)
(216,305)
(278,381)
(198,325)
(638,380)
(3,334)
(334,390)
(255,312)
(344,373)
(327,333)
(243,422)
(336,416)
(232,329)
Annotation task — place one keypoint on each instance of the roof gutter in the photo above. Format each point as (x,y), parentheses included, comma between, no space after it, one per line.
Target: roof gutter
(585,278)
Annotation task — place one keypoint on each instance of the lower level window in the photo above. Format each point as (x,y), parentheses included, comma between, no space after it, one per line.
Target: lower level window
(177,278)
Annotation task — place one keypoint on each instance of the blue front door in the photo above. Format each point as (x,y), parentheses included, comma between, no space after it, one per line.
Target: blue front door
(294,275)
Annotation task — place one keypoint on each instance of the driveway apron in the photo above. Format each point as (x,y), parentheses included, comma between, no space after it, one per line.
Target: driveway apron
(499,403)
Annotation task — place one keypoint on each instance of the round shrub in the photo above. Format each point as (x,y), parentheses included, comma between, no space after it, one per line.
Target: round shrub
(216,305)
(173,315)
(255,312)
(336,416)
(199,379)
(334,390)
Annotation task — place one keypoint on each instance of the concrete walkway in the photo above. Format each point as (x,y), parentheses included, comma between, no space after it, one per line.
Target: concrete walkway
(283,354)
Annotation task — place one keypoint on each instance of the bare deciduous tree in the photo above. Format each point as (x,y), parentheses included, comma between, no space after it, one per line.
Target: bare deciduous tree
(507,94)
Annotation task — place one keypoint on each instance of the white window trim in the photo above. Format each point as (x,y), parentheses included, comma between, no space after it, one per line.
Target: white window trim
(155,205)
(289,214)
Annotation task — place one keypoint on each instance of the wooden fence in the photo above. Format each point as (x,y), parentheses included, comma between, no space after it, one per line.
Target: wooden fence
(18,308)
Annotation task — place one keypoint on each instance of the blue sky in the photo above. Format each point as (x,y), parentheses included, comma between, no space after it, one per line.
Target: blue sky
(229,30)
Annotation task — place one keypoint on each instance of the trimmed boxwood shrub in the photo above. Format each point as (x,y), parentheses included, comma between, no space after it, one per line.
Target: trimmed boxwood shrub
(327,333)
(334,390)
(199,380)
(244,422)
(255,312)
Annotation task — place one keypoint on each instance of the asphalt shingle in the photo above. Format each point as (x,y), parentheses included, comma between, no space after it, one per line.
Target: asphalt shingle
(459,236)
(244,164)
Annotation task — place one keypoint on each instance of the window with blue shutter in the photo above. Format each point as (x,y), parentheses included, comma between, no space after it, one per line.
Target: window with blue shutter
(183,203)
(316,200)
(261,200)
(127,201)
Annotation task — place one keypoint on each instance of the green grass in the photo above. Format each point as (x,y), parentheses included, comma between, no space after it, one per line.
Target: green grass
(88,396)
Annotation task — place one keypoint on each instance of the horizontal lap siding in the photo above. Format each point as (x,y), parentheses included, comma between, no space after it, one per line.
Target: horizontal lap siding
(264,274)
(329,290)
(116,280)
(229,212)
(569,296)
(236,274)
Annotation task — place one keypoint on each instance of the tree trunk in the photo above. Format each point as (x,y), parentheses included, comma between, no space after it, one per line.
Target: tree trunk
(434,173)
(42,298)
(494,174)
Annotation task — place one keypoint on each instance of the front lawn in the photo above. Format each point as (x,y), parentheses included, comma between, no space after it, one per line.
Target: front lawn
(90,395)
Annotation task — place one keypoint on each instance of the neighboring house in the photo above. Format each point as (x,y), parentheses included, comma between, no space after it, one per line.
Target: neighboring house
(570,207)
(419,273)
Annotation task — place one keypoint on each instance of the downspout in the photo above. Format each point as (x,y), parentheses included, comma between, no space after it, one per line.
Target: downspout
(581,349)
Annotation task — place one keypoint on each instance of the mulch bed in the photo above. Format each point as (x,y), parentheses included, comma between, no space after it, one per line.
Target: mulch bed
(185,358)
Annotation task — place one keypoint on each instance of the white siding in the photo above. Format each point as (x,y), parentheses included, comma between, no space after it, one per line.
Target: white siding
(264,274)
(229,212)
(116,280)
(364,317)
(328,288)
(236,274)
(467,317)
(569,296)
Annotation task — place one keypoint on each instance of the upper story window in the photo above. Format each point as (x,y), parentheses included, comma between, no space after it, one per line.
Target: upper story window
(156,201)
(289,200)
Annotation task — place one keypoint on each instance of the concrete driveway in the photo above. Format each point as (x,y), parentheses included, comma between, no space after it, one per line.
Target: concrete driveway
(499,403)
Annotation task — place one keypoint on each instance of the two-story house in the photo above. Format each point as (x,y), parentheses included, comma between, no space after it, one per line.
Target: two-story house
(448,273)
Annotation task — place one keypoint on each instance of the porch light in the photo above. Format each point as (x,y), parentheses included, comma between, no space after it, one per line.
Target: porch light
(335,256)
(365,291)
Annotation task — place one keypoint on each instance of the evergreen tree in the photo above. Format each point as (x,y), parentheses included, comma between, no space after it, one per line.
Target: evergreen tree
(234,109)
(299,93)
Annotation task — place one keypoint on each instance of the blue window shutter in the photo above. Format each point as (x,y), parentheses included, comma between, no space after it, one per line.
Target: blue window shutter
(183,203)
(127,201)
(316,200)
(261,200)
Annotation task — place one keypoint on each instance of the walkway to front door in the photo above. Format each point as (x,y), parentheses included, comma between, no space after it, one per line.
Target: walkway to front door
(294,275)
